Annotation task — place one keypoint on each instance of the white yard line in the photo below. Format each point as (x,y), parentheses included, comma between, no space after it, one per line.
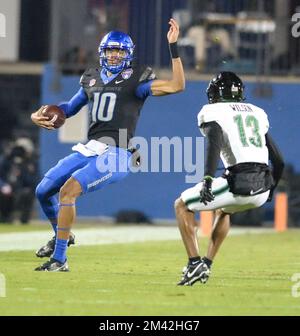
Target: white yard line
(109,235)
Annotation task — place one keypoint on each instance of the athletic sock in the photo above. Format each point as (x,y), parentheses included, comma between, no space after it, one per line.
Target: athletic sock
(60,250)
(207,261)
(194,260)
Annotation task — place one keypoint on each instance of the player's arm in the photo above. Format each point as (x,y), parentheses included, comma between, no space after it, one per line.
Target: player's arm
(75,104)
(214,136)
(276,160)
(177,83)
(70,108)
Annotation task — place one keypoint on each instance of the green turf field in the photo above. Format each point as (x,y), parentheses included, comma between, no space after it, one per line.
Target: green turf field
(252,276)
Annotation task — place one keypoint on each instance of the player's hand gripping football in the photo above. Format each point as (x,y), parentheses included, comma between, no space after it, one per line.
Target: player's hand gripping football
(206,194)
(42,121)
(173,32)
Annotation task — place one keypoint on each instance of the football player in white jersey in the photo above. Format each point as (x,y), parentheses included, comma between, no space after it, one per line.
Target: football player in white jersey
(238,133)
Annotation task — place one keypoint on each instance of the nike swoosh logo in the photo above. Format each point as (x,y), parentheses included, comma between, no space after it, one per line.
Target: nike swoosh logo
(118,82)
(255,192)
(190,274)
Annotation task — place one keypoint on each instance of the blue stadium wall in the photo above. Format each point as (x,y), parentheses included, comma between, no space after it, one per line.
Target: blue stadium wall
(154,193)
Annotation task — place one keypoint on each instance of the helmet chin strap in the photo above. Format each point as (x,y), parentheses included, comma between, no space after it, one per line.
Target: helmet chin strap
(113,69)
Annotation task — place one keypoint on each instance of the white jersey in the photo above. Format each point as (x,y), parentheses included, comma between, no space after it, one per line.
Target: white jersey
(244,127)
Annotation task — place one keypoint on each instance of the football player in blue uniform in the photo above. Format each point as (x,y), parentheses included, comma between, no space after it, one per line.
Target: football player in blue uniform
(117,91)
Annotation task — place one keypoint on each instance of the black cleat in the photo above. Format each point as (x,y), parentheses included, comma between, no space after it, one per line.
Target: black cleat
(184,271)
(53,265)
(192,273)
(48,249)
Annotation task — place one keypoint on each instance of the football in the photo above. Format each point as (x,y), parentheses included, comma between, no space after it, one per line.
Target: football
(54,111)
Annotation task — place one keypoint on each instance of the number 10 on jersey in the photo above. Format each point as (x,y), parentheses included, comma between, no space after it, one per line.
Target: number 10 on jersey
(103,106)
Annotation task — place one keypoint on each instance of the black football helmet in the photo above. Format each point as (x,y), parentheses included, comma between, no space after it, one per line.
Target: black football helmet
(226,86)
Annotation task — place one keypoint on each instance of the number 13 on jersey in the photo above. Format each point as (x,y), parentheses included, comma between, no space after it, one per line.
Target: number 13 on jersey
(251,123)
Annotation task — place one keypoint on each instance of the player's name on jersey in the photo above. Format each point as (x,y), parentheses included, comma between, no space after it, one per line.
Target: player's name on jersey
(110,88)
(241,107)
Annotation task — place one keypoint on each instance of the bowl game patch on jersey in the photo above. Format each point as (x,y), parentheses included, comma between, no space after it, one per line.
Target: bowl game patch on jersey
(92,82)
(126,74)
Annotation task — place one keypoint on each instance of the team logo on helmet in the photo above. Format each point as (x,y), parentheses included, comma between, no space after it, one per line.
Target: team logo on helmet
(234,88)
(126,74)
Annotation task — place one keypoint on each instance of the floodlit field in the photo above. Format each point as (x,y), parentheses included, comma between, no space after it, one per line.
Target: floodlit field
(252,276)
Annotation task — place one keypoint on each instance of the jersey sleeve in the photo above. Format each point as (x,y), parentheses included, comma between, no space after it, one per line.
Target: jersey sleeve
(266,124)
(207,114)
(74,105)
(143,89)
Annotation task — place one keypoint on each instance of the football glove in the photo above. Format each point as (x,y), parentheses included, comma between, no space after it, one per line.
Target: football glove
(206,194)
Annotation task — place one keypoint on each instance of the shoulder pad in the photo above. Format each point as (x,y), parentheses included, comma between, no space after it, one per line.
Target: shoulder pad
(147,75)
(208,113)
(88,74)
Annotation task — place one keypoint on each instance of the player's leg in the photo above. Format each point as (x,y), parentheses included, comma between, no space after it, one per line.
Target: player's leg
(188,228)
(87,179)
(201,270)
(189,203)
(195,269)
(224,203)
(46,194)
(66,215)
(219,232)
(222,220)
(185,206)
(53,180)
